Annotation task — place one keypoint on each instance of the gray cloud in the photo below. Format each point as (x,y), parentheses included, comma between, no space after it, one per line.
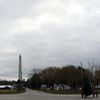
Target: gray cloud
(47,33)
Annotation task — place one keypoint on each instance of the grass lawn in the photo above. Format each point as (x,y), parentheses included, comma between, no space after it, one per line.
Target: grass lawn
(63,91)
(11,91)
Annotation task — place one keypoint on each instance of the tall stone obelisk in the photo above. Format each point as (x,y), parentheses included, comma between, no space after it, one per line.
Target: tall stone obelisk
(20,68)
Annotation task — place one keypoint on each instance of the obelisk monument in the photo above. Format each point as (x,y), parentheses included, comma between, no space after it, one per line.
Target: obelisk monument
(20,68)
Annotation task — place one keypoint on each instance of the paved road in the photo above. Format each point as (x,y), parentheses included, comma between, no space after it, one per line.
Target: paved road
(35,95)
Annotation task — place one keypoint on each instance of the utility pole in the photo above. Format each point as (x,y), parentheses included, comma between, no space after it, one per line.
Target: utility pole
(20,68)
(81,75)
(81,80)
(20,81)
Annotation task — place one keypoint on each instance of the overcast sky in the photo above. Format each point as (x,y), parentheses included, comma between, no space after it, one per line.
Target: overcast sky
(48,33)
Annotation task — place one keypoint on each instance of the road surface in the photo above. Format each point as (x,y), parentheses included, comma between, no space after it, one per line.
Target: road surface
(35,95)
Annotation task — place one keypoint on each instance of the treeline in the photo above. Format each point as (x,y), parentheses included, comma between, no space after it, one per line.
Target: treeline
(5,82)
(69,75)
